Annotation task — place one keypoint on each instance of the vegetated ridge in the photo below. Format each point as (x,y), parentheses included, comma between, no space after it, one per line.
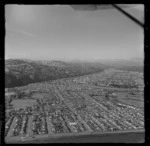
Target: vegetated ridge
(19,72)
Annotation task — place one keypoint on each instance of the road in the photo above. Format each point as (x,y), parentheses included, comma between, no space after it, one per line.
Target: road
(136,136)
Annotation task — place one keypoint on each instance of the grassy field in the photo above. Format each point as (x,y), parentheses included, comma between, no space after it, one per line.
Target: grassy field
(23,103)
(133,100)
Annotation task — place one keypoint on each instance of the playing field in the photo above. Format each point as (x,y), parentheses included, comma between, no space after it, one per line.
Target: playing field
(133,100)
(23,103)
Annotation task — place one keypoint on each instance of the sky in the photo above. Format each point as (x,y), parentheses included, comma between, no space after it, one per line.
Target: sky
(46,32)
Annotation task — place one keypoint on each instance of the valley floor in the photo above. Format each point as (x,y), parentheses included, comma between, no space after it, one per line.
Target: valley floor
(101,107)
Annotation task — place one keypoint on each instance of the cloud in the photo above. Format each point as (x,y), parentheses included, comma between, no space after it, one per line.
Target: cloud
(26,33)
(19,31)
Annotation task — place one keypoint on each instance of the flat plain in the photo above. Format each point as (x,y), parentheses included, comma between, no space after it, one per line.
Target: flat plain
(100,107)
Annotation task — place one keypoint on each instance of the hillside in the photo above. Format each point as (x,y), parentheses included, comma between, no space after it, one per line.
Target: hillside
(135,64)
(23,72)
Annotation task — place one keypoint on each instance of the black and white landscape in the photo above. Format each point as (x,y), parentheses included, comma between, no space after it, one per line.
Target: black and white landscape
(73,75)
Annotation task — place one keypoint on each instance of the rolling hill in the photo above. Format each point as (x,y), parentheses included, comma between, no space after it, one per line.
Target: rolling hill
(19,72)
(23,72)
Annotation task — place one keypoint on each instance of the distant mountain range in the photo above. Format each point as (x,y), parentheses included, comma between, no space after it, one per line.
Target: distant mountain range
(19,72)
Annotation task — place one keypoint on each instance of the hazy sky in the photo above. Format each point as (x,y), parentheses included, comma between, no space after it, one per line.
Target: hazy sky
(60,32)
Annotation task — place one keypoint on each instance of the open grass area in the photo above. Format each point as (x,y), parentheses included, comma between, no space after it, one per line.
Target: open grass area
(134,100)
(21,103)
